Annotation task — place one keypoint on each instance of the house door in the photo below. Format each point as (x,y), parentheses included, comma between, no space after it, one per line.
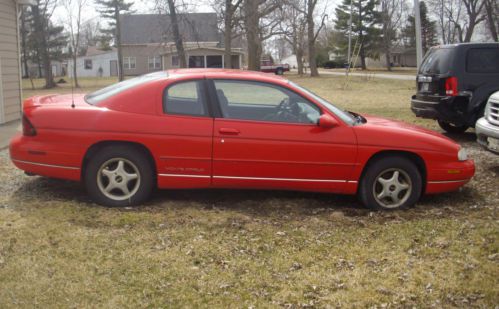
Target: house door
(113,68)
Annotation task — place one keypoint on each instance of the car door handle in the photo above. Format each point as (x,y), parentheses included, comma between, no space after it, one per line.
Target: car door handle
(229,131)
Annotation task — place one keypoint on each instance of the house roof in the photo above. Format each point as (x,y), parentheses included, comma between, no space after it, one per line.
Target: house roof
(156,28)
(94,51)
(219,49)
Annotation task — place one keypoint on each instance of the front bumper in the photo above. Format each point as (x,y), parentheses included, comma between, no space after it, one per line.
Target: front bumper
(449,176)
(486,131)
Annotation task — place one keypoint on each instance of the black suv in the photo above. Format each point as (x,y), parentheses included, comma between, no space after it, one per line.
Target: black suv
(454,83)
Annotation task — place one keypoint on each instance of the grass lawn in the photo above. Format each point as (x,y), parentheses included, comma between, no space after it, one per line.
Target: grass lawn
(225,248)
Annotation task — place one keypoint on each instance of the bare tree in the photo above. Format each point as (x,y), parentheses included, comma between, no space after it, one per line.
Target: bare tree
(230,22)
(112,10)
(293,25)
(458,18)
(391,17)
(312,34)
(74,10)
(492,17)
(257,29)
(179,44)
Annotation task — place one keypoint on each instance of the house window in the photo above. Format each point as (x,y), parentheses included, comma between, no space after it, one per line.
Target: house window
(88,64)
(175,61)
(154,62)
(129,63)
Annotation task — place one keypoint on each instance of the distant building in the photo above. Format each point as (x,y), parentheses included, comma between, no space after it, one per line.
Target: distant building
(148,45)
(400,57)
(290,60)
(10,74)
(95,63)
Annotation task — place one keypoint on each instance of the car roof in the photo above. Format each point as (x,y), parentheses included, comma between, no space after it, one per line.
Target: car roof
(217,73)
(468,44)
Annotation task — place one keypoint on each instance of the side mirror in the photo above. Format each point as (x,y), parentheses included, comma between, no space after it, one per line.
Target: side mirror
(327,121)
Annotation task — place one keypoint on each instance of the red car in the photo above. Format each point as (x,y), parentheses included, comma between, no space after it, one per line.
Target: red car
(213,128)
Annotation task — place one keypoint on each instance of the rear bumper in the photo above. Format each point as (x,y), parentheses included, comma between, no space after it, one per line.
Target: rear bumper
(37,158)
(484,131)
(450,109)
(450,176)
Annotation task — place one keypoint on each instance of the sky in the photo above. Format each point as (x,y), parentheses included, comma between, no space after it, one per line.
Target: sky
(147,6)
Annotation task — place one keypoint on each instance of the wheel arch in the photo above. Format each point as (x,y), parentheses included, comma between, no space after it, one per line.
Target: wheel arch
(414,157)
(96,147)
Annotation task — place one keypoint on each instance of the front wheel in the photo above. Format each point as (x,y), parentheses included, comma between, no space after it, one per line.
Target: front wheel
(119,176)
(451,127)
(279,71)
(391,183)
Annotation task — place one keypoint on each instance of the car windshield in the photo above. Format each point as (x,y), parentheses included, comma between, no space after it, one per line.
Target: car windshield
(109,91)
(437,61)
(344,115)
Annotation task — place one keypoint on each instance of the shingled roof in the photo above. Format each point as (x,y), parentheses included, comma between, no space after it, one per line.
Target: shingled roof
(156,28)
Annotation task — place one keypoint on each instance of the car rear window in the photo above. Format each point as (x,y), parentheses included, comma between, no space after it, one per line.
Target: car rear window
(482,60)
(437,61)
(109,91)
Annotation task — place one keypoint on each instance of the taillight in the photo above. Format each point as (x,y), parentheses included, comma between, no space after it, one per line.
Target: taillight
(28,128)
(451,86)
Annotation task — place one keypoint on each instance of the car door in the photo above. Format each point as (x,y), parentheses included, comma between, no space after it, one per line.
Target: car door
(267,137)
(186,136)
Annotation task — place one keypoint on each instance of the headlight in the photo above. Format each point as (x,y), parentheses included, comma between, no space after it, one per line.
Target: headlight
(462,155)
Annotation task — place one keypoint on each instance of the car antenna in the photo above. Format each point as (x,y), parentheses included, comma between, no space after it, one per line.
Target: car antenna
(72,91)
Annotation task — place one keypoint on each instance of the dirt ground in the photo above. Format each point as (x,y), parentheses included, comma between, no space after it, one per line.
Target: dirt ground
(251,249)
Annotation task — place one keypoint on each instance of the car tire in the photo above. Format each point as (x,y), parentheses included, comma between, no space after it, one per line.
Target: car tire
(279,71)
(119,176)
(452,128)
(390,183)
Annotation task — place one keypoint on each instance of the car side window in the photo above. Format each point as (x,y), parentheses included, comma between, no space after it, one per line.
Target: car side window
(482,60)
(185,98)
(259,101)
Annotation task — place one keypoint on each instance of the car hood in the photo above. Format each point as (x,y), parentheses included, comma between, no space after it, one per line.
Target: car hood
(400,135)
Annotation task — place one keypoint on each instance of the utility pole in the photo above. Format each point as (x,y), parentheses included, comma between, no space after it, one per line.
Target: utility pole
(350,36)
(419,45)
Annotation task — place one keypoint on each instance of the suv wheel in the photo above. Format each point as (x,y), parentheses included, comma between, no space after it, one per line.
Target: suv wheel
(452,128)
(390,183)
(119,176)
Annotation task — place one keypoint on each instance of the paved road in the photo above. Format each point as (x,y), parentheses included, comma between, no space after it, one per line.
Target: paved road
(374,74)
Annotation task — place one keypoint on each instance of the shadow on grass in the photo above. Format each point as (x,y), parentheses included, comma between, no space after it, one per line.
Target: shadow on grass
(41,191)
(465,137)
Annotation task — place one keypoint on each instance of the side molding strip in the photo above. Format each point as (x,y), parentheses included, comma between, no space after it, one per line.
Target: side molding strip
(47,165)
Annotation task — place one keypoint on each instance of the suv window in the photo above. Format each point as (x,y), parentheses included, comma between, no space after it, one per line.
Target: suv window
(264,102)
(482,60)
(185,98)
(437,61)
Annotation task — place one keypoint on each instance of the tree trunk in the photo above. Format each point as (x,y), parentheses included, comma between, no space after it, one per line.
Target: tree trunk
(490,9)
(361,40)
(121,74)
(41,37)
(312,61)
(299,60)
(179,44)
(23,43)
(251,22)
(388,56)
(75,77)
(228,34)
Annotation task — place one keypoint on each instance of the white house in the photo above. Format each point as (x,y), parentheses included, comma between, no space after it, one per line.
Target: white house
(95,63)
(291,60)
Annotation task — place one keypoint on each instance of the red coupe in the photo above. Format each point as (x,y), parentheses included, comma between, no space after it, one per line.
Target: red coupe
(213,128)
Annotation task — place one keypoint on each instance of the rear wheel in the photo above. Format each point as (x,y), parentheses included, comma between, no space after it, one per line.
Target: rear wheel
(119,176)
(390,183)
(452,128)
(279,71)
